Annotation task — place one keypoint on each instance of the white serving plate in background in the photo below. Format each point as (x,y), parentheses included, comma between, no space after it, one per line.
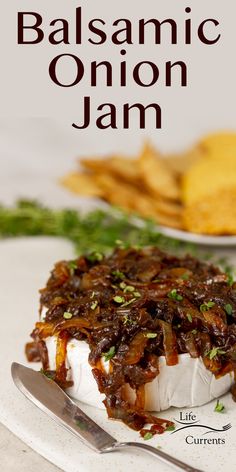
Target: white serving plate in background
(202,239)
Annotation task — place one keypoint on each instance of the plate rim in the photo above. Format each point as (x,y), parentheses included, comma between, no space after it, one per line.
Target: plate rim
(207,240)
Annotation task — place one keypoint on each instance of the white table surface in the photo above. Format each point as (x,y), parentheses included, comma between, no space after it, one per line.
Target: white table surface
(17,456)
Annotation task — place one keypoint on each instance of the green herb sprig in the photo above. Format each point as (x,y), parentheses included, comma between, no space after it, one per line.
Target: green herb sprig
(170,428)
(206,306)
(97,231)
(151,335)
(229,309)
(174,295)
(147,436)
(214,352)
(219,408)
(109,354)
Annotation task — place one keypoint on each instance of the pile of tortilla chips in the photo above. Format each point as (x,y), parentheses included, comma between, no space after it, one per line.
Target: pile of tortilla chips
(193,191)
(209,187)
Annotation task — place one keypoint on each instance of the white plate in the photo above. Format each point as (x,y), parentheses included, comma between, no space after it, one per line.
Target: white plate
(198,238)
(25,264)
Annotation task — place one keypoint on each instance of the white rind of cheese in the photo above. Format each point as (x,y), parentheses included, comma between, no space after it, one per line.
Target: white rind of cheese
(187,384)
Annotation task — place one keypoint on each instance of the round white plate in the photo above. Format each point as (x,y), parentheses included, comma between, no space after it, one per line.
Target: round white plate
(202,239)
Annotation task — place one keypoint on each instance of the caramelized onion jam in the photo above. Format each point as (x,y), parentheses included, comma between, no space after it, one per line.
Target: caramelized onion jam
(131,308)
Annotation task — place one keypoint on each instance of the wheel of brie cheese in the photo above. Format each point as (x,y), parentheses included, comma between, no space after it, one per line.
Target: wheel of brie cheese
(138,331)
(186,384)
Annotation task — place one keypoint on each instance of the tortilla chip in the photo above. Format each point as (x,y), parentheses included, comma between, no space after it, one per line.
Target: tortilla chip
(94,164)
(207,178)
(209,194)
(214,215)
(130,198)
(168,207)
(160,181)
(82,184)
(123,167)
(179,164)
(220,145)
(123,194)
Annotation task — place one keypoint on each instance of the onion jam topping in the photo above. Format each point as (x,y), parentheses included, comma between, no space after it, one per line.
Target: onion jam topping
(132,307)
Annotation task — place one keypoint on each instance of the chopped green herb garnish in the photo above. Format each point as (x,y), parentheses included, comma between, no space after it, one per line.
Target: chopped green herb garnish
(137,294)
(147,436)
(128,302)
(190,319)
(214,352)
(229,270)
(72,266)
(229,309)
(170,428)
(94,305)
(95,257)
(118,299)
(137,247)
(81,425)
(122,285)
(127,320)
(49,374)
(67,315)
(151,335)
(230,280)
(126,288)
(119,242)
(194,331)
(110,354)
(185,276)
(206,306)
(118,274)
(219,408)
(92,295)
(129,288)
(174,295)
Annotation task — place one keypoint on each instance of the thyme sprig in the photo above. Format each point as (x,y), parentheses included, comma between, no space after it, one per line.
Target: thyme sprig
(95,233)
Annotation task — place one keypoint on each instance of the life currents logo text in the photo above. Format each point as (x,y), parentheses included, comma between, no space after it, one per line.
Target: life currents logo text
(197,431)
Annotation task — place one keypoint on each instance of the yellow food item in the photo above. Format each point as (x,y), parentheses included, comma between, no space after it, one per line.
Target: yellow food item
(214,215)
(180,163)
(194,190)
(168,207)
(157,176)
(206,178)
(219,145)
(124,195)
(209,195)
(119,166)
(82,184)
